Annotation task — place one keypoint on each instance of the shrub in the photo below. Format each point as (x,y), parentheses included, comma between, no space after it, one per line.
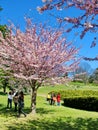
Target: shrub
(84,103)
(80,99)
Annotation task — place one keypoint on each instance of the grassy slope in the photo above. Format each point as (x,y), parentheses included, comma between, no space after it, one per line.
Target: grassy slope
(47,117)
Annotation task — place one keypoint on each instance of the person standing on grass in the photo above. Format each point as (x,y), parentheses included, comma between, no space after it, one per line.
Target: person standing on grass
(21,104)
(58,99)
(51,100)
(15,100)
(54,99)
(10,98)
(48,98)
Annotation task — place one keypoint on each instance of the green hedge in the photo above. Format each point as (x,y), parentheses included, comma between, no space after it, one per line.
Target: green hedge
(84,103)
(80,99)
(77,93)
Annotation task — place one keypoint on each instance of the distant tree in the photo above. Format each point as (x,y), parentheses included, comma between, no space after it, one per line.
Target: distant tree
(91,79)
(4,79)
(3,75)
(85,67)
(4,30)
(83,72)
(81,77)
(5,83)
(37,54)
(86,20)
(96,74)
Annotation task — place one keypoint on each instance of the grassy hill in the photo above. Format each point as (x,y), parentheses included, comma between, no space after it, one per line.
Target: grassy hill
(48,117)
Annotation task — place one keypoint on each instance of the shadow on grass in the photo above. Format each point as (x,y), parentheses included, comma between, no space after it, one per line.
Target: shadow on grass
(57,124)
(5,112)
(11,113)
(43,111)
(1,105)
(2,93)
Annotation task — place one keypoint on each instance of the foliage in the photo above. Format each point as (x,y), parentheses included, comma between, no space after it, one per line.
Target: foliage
(36,54)
(95,74)
(80,99)
(4,79)
(3,75)
(82,73)
(84,103)
(77,93)
(81,77)
(94,77)
(4,30)
(91,79)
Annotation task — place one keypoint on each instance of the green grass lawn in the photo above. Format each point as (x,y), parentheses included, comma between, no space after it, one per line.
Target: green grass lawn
(47,117)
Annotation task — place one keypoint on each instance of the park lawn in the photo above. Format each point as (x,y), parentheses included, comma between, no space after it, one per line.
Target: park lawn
(48,117)
(72,85)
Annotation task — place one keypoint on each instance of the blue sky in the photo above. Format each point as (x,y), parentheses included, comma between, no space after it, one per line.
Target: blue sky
(16,10)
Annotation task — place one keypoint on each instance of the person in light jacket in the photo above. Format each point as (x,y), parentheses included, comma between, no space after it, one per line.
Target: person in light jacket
(10,98)
(15,100)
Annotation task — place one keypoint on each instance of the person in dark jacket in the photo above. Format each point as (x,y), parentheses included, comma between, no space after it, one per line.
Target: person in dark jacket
(21,104)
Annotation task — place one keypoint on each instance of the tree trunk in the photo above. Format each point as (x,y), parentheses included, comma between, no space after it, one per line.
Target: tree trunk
(33,100)
(34,87)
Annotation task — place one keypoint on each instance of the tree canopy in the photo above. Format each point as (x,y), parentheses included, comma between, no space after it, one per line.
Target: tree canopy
(36,54)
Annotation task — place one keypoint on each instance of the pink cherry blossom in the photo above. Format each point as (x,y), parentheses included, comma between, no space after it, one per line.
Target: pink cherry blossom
(87,20)
(36,54)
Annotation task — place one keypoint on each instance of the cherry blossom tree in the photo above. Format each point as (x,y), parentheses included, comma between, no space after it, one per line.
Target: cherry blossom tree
(87,20)
(36,54)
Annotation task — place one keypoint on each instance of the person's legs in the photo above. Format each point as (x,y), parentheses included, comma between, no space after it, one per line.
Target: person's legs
(19,111)
(51,102)
(23,112)
(10,101)
(15,107)
(58,103)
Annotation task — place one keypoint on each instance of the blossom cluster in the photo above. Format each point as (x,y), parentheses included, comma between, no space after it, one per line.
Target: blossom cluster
(37,53)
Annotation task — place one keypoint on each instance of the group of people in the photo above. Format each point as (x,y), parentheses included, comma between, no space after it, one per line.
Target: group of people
(18,99)
(54,99)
